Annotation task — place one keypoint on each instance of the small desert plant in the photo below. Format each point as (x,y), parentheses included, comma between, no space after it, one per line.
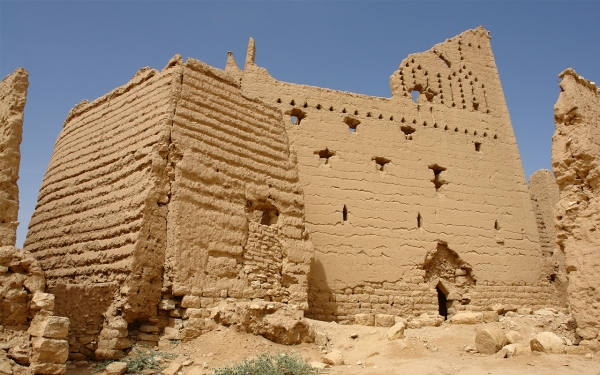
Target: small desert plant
(141,357)
(271,364)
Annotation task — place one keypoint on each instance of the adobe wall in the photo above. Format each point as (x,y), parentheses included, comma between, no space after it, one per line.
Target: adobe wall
(544,196)
(99,227)
(575,155)
(236,209)
(13,93)
(404,196)
(174,191)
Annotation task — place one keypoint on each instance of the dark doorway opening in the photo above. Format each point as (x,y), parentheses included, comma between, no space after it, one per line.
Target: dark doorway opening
(443,309)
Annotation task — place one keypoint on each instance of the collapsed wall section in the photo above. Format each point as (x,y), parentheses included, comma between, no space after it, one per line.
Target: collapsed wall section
(99,227)
(236,215)
(390,183)
(575,161)
(13,93)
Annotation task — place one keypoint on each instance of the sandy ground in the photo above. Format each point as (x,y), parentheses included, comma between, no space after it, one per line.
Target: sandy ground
(428,350)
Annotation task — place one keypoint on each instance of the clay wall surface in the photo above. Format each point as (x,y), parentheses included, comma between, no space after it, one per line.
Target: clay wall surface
(13,93)
(236,220)
(390,184)
(99,228)
(575,156)
(544,196)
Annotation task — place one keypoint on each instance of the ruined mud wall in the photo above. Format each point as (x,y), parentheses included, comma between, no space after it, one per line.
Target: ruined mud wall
(13,93)
(99,227)
(390,183)
(544,196)
(236,216)
(575,161)
(173,191)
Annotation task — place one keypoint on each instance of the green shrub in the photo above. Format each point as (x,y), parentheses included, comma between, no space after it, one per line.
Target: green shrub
(141,357)
(271,364)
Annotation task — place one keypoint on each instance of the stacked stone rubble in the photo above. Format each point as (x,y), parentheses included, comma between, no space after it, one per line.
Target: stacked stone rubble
(49,345)
(576,165)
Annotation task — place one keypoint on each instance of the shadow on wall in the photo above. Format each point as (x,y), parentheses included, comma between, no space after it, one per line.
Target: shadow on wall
(321,301)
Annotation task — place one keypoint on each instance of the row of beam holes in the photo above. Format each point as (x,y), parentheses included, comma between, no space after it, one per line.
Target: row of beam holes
(415,93)
(420,221)
(408,130)
(297,115)
(331,109)
(380,162)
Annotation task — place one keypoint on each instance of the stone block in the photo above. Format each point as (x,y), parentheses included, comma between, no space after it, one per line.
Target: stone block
(171,333)
(116,368)
(49,326)
(364,319)
(42,301)
(148,337)
(335,358)
(193,313)
(513,337)
(190,301)
(45,350)
(467,317)
(167,304)
(490,316)
(146,328)
(384,320)
(579,350)
(547,342)
(490,340)
(396,331)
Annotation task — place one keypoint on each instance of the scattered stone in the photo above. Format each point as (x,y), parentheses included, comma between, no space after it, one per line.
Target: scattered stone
(396,332)
(579,350)
(589,356)
(319,365)
(321,338)
(467,317)
(490,316)
(172,369)
(513,337)
(547,342)
(19,354)
(334,358)
(116,368)
(513,350)
(354,335)
(5,365)
(490,340)
(524,311)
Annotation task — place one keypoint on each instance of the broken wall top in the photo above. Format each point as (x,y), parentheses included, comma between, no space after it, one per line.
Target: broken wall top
(13,93)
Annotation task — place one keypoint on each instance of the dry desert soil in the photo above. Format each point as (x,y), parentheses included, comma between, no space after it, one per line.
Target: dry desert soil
(428,350)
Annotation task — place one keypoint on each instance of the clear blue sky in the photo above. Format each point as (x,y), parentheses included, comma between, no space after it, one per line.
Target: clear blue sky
(78,50)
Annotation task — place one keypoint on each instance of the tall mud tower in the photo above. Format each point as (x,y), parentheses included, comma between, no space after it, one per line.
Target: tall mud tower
(172,191)
(413,205)
(576,164)
(13,93)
